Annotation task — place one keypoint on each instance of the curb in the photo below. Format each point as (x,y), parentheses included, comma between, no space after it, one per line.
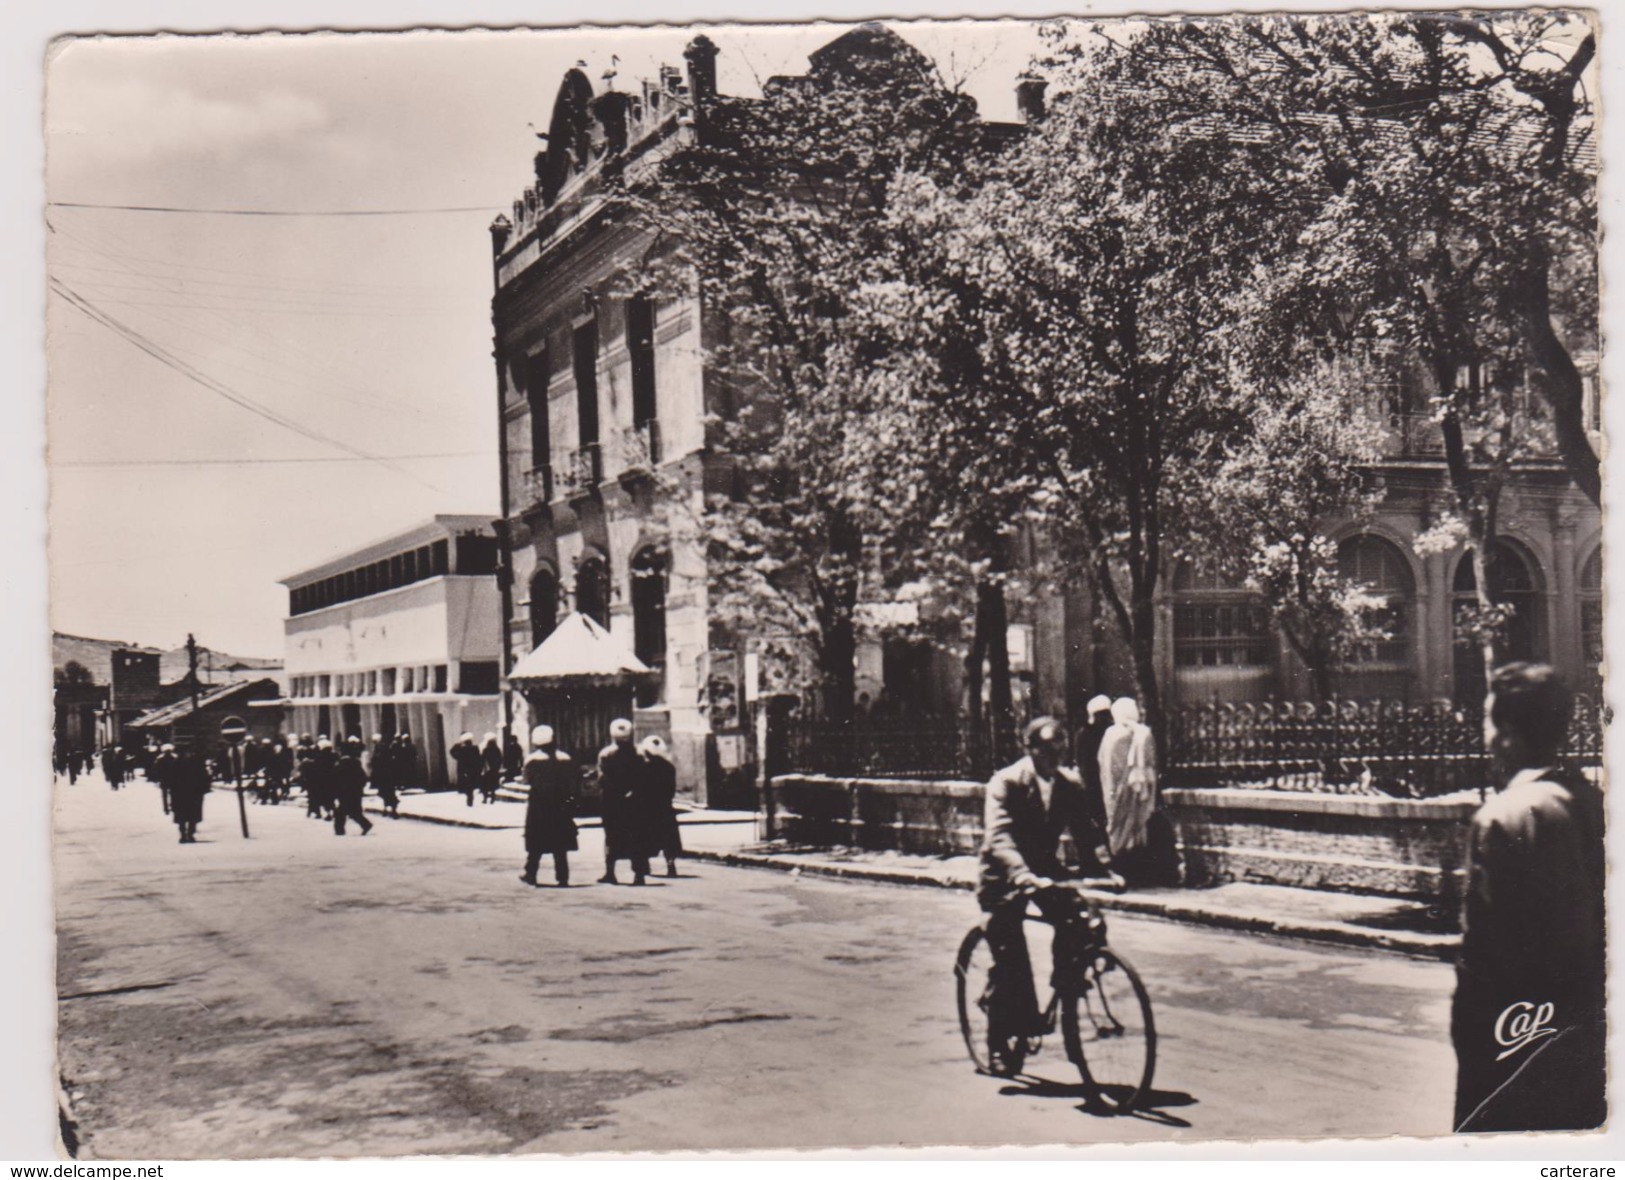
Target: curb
(1332,931)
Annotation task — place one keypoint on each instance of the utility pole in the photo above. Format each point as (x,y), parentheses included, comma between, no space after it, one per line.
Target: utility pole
(191,674)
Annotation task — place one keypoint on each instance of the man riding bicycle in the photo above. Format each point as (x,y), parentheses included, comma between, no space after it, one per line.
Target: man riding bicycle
(1029,806)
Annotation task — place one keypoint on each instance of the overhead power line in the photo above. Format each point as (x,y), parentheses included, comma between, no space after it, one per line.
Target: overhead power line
(275,212)
(247,462)
(158,352)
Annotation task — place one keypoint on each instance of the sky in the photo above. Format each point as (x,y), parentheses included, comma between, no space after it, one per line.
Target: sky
(235,398)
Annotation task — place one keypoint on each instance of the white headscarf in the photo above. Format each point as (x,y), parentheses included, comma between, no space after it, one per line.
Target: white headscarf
(1125,712)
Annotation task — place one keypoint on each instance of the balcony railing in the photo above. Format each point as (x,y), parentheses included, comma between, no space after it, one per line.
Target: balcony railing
(640,448)
(537,485)
(584,470)
(1419,436)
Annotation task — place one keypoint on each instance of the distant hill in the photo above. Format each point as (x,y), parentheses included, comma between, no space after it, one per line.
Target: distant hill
(214,667)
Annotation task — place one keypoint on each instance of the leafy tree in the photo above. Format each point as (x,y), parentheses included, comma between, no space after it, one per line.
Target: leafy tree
(1311,439)
(1436,174)
(770,208)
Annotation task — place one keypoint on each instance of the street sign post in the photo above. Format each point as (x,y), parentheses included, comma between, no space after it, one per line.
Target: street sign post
(233,730)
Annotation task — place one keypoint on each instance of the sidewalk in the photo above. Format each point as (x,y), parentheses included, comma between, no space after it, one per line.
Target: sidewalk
(729,837)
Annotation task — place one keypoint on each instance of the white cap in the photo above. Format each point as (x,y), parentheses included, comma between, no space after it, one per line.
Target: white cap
(324,744)
(467,737)
(1099,704)
(490,737)
(542,735)
(620,728)
(653,744)
(166,748)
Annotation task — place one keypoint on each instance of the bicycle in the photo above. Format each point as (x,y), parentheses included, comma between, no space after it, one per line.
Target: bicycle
(1096,997)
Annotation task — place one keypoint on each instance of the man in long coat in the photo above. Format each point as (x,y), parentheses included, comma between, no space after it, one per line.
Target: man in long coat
(620,766)
(163,773)
(465,755)
(550,825)
(349,786)
(657,791)
(188,783)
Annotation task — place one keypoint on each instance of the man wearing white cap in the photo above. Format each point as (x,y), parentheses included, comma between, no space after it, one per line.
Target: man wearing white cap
(619,768)
(550,826)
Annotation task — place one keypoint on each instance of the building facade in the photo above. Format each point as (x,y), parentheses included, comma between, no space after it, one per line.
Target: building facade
(606,400)
(400,636)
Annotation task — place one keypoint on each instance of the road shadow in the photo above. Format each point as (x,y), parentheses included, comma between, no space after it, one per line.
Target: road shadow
(1152,1108)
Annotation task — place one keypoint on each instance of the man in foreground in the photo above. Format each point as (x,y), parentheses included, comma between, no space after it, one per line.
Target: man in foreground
(1528,1021)
(1029,806)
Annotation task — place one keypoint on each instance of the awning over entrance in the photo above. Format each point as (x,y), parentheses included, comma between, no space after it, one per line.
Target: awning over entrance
(579,652)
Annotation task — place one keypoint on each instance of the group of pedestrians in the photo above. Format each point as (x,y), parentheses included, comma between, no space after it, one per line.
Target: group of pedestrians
(480,768)
(637,786)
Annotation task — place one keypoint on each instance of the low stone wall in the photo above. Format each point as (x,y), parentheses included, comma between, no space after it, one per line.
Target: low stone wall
(1359,844)
(898,815)
(1355,843)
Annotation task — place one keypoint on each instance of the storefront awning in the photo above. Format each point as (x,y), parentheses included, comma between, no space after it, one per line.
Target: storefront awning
(579,652)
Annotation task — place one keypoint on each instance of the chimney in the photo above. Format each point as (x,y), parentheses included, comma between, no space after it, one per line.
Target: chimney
(1030,99)
(701,56)
(500,229)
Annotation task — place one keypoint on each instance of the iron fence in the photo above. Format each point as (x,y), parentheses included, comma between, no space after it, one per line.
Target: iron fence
(1365,747)
(877,749)
(1348,746)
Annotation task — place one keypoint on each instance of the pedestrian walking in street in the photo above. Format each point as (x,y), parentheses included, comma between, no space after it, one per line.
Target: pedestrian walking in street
(659,794)
(490,768)
(113,766)
(465,755)
(1141,842)
(383,774)
(1028,807)
(406,761)
(620,766)
(319,781)
(349,787)
(278,767)
(1528,1022)
(188,783)
(550,826)
(163,773)
(76,760)
(513,757)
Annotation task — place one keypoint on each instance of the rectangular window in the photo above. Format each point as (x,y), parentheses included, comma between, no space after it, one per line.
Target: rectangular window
(389,682)
(640,343)
(478,676)
(438,559)
(541,430)
(1220,635)
(586,371)
(440,678)
(324,686)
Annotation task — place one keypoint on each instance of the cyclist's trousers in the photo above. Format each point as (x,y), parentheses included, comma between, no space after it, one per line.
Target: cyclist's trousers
(1014,1002)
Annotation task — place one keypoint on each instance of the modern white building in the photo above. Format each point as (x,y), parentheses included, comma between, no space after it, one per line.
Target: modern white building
(403,634)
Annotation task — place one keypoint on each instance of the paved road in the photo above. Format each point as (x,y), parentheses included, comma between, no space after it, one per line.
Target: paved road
(299,994)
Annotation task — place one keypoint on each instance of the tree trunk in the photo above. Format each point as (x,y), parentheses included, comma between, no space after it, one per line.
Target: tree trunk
(1560,382)
(975,716)
(836,658)
(1000,699)
(1144,642)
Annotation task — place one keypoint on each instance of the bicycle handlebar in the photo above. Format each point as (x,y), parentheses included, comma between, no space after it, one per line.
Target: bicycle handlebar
(1078,884)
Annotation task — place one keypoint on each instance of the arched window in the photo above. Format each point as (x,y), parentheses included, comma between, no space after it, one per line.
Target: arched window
(1380,567)
(544,604)
(1217,623)
(1591,611)
(649,606)
(1513,576)
(592,589)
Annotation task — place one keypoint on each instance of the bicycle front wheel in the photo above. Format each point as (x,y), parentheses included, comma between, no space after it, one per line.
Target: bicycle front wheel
(1110,1035)
(973,977)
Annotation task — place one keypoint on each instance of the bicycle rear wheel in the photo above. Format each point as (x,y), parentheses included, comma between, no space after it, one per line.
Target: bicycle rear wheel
(973,977)
(1110,1035)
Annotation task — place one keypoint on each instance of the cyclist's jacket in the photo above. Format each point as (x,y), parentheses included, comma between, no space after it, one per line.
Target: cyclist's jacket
(1023,838)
